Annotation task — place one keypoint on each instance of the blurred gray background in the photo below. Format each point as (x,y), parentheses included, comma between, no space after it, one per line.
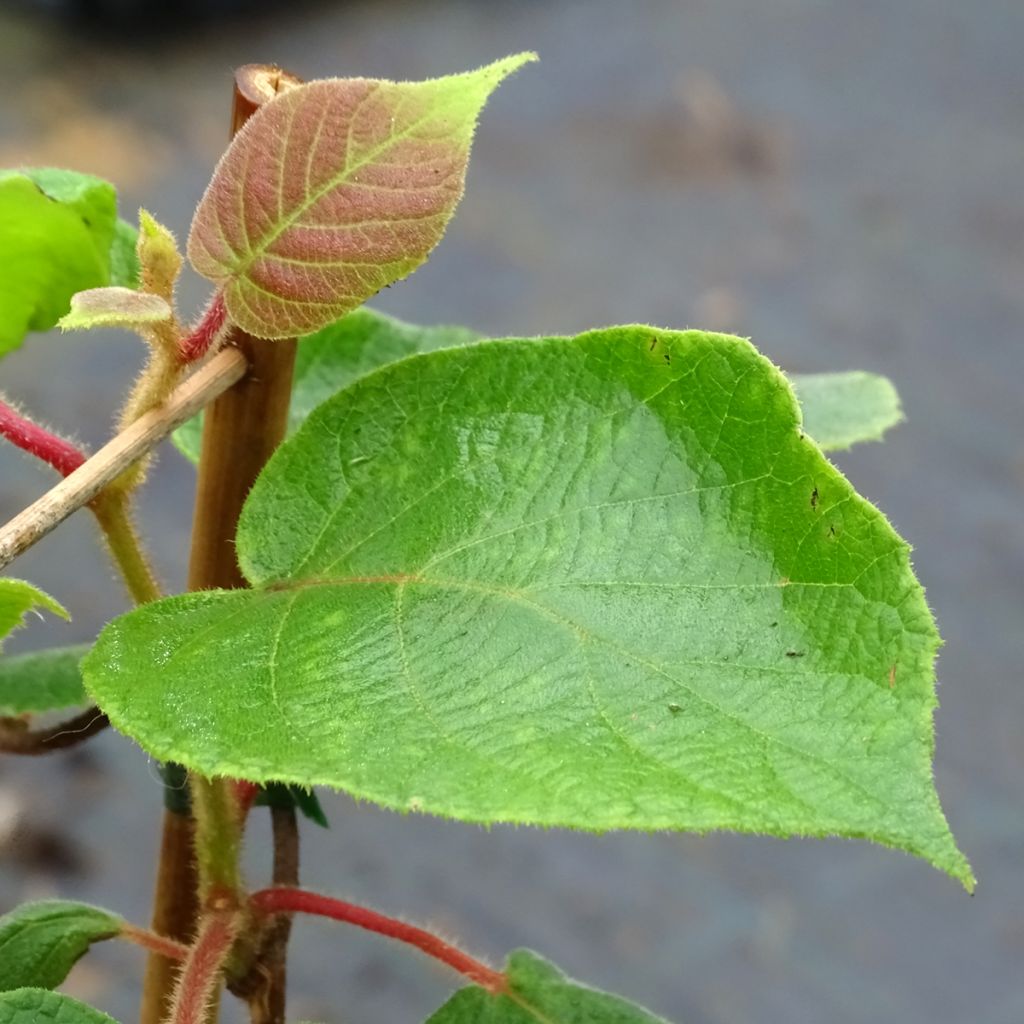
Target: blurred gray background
(840,181)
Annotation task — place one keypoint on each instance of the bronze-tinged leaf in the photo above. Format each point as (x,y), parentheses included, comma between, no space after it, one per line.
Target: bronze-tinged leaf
(333,190)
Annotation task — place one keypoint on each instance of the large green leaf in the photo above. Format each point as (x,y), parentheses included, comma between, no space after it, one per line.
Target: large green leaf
(59,234)
(332,191)
(602,582)
(334,357)
(41,942)
(32,1005)
(17,599)
(842,409)
(539,993)
(42,681)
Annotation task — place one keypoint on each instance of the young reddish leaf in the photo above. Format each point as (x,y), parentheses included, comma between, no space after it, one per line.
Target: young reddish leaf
(333,190)
(114,307)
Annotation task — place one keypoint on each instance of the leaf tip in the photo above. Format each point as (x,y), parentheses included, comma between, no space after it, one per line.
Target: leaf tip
(496,72)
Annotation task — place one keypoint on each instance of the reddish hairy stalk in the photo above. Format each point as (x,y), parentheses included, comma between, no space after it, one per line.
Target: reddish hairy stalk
(284,900)
(200,339)
(62,455)
(201,973)
(169,948)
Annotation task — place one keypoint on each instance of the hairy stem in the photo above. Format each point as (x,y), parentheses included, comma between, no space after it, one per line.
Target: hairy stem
(286,900)
(218,837)
(112,510)
(206,333)
(201,974)
(36,440)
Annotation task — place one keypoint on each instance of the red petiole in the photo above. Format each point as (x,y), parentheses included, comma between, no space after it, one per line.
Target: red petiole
(285,900)
(200,339)
(62,455)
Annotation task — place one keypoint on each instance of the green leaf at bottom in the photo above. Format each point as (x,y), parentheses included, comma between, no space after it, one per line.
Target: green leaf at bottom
(41,942)
(32,1005)
(539,993)
(600,582)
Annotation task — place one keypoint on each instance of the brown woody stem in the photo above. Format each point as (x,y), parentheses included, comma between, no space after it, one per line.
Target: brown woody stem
(240,432)
(265,985)
(17,739)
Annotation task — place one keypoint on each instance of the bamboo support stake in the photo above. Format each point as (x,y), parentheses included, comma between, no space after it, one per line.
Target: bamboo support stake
(241,430)
(79,488)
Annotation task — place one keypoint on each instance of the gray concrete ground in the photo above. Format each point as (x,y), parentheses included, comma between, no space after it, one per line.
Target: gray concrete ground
(840,181)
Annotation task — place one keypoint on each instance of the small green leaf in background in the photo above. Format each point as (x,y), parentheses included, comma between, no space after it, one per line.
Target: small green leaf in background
(274,794)
(600,582)
(59,234)
(17,599)
(124,260)
(843,409)
(539,993)
(41,942)
(332,358)
(114,307)
(333,190)
(42,680)
(32,1005)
